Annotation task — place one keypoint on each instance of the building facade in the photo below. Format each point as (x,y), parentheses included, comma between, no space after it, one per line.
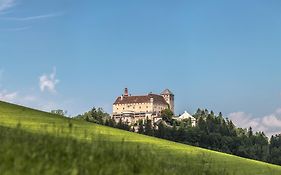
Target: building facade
(131,109)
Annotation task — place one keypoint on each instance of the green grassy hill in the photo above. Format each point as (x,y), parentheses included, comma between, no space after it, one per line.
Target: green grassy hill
(35,142)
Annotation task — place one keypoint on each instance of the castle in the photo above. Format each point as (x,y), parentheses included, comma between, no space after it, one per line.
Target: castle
(131,109)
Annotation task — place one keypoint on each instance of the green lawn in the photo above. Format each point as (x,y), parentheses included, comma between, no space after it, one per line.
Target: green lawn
(34,142)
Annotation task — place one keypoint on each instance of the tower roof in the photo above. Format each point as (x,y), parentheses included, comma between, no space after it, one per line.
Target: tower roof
(167,92)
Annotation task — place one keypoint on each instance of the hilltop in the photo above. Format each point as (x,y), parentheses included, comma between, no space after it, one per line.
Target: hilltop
(36,142)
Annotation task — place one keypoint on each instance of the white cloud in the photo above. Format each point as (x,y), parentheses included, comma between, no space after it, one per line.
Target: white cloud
(8,96)
(48,82)
(34,99)
(6,4)
(272,121)
(270,124)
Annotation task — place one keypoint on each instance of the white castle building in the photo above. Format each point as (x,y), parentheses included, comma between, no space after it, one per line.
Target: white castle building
(131,109)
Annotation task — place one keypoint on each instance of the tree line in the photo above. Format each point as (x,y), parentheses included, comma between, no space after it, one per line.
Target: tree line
(212,132)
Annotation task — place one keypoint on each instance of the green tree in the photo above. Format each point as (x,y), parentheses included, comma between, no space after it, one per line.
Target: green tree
(167,115)
(59,112)
(140,129)
(148,128)
(250,132)
(275,150)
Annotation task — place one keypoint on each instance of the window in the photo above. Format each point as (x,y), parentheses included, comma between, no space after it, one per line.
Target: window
(140,107)
(146,106)
(123,108)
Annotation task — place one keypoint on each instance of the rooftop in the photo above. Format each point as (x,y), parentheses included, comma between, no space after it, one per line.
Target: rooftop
(140,99)
(167,92)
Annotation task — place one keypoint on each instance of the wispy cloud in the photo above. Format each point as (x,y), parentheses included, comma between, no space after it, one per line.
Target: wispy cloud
(30,18)
(6,4)
(48,82)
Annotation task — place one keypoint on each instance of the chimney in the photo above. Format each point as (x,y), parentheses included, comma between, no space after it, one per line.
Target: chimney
(126,93)
(151,99)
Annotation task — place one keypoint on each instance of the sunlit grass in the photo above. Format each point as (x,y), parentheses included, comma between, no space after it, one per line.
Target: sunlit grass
(126,152)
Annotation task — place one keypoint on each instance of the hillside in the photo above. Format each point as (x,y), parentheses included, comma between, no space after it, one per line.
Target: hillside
(35,142)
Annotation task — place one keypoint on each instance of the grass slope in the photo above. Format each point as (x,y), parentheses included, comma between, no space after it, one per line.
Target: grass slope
(35,142)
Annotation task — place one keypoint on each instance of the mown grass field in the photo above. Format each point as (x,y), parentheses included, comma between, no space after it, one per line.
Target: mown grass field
(35,142)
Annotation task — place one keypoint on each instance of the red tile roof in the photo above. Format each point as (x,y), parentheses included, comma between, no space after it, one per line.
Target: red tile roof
(158,99)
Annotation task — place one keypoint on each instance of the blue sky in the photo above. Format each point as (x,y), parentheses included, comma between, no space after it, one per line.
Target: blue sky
(220,55)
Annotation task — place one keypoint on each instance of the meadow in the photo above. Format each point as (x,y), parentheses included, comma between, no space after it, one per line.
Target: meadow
(36,142)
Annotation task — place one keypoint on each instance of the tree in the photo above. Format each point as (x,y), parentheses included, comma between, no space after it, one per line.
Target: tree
(167,115)
(275,150)
(250,132)
(161,131)
(97,115)
(110,122)
(59,112)
(202,124)
(122,125)
(148,128)
(141,129)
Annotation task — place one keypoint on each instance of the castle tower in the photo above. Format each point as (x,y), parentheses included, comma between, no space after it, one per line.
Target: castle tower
(169,97)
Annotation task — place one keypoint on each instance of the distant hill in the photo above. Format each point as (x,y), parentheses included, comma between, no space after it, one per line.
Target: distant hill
(36,142)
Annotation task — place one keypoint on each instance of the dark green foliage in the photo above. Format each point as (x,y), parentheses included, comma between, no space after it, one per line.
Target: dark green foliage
(148,128)
(95,115)
(162,131)
(141,128)
(275,149)
(123,125)
(216,133)
(167,115)
(110,122)
(98,116)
